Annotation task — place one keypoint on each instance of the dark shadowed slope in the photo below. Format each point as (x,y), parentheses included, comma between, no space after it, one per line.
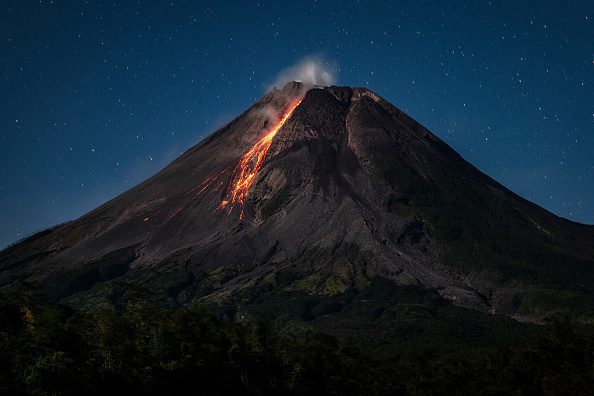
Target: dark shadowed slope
(350,189)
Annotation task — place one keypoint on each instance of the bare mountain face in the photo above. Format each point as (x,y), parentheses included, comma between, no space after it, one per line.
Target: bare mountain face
(318,191)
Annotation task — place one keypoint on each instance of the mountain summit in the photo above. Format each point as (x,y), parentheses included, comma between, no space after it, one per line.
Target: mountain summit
(319,191)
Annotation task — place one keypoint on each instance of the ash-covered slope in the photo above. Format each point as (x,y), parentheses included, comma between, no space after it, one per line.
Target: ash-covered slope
(350,189)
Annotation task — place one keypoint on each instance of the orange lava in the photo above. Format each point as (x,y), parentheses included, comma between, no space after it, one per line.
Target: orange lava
(244,173)
(248,166)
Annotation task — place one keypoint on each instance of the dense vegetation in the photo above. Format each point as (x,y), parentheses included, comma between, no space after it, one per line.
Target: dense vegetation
(47,348)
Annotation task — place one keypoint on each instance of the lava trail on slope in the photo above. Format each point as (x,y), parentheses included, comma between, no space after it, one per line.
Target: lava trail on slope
(244,173)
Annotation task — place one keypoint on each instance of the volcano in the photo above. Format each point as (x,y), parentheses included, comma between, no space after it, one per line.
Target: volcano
(319,191)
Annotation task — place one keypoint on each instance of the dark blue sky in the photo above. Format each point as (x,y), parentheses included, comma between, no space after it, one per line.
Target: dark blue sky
(95,98)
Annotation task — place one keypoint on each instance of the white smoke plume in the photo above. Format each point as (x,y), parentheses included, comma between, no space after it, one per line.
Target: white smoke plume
(310,70)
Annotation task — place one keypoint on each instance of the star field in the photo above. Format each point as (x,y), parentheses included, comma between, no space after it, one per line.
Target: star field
(97,96)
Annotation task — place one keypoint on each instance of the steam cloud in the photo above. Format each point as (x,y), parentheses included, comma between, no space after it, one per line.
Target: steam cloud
(309,71)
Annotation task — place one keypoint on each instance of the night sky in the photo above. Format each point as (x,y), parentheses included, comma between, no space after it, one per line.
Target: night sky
(94,97)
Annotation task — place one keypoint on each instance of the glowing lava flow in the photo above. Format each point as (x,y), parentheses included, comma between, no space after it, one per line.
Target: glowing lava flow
(248,166)
(244,173)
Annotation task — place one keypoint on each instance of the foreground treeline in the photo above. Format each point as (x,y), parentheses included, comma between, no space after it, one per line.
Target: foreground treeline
(50,349)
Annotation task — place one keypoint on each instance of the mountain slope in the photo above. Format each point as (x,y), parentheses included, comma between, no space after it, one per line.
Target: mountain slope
(350,189)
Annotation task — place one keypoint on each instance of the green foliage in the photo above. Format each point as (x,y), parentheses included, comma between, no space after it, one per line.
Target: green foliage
(48,349)
(391,318)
